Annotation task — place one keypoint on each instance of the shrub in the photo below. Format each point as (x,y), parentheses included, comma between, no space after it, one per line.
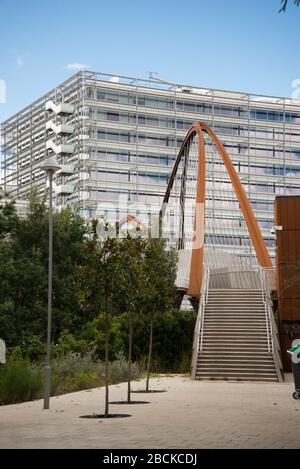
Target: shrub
(20,381)
(118,369)
(67,344)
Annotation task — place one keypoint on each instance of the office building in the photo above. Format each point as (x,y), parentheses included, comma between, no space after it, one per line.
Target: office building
(118,137)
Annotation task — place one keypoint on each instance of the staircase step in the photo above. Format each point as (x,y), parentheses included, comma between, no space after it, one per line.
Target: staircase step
(236,366)
(208,377)
(244,303)
(234,293)
(253,322)
(235,353)
(221,297)
(223,319)
(234,289)
(239,349)
(207,342)
(230,372)
(236,307)
(233,322)
(222,360)
(234,344)
(235,316)
(242,297)
(238,331)
(234,338)
(235,328)
(221,348)
(237,370)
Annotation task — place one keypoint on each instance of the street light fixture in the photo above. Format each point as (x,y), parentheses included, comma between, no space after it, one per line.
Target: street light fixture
(50,166)
(275,228)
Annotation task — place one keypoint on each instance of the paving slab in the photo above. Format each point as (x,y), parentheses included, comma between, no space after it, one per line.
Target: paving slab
(191,414)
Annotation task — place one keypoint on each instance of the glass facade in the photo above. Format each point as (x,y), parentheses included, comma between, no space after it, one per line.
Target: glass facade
(126,136)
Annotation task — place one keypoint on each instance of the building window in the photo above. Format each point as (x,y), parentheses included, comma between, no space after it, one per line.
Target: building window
(113,116)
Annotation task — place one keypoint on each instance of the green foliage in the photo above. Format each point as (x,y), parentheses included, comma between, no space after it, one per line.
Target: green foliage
(8,219)
(22,381)
(173,335)
(68,344)
(131,279)
(19,381)
(33,348)
(24,272)
(284,4)
(118,370)
(94,335)
(173,341)
(158,286)
(74,373)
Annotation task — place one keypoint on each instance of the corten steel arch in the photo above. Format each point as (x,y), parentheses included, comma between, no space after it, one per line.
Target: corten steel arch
(196,270)
(132,218)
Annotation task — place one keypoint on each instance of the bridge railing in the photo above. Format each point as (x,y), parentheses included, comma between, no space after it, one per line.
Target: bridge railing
(199,326)
(234,278)
(268,284)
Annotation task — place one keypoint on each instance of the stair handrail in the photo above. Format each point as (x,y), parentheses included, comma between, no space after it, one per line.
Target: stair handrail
(198,331)
(207,284)
(272,331)
(204,303)
(273,325)
(268,302)
(264,299)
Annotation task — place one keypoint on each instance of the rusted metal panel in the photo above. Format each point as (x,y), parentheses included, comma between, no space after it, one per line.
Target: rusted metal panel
(289,309)
(288,246)
(287,216)
(288,280)
(287,212)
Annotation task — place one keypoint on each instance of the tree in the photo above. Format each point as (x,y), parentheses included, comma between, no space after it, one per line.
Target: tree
(284,4)
(131,257)
(9,219)
(99,286)
(158,292)
(24,272)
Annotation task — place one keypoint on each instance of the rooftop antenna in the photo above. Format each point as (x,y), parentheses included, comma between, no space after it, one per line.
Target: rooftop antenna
(154,76)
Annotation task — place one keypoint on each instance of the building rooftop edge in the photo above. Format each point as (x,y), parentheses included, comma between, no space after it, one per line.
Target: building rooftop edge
(88,74)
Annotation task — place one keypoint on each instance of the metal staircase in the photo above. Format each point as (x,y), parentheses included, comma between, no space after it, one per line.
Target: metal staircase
(235,335)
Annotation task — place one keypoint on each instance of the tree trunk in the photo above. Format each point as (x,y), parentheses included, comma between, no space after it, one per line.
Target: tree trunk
(149,355)
(129,358)
(106,363)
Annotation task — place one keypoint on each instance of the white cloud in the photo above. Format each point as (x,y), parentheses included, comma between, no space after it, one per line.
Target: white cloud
(19,60)
(76,66)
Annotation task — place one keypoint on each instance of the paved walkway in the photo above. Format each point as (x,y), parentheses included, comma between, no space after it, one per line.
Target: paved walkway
(189,415)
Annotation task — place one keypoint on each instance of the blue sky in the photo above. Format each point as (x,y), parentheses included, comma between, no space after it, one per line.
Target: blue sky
(232,44)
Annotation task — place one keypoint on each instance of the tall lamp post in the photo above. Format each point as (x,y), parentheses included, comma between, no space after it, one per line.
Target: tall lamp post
(50,166)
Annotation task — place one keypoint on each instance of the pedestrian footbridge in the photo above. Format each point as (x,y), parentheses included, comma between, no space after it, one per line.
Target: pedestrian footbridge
(224,267)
